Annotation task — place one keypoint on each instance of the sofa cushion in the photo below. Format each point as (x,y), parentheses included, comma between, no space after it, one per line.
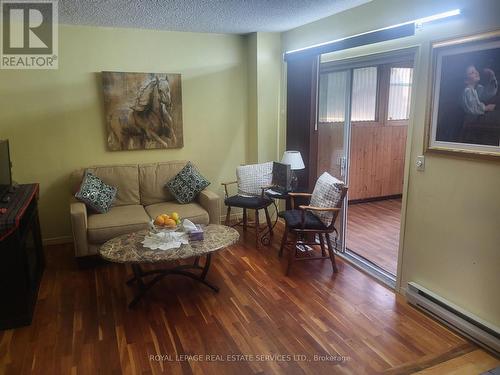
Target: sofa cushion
(192,211)
(96,194)
(125,178)
(152,180)
(187,184)
(117,221)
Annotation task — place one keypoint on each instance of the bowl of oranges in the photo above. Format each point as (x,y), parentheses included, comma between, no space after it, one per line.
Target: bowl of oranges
(165,222)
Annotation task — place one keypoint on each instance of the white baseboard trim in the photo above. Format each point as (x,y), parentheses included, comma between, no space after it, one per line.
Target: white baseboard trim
(57,240)
(457,318)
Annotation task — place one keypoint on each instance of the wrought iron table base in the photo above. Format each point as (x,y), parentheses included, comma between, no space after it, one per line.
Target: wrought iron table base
(268,233)
(183,270)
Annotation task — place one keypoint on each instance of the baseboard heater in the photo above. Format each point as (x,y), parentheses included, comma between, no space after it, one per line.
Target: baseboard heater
(483,333)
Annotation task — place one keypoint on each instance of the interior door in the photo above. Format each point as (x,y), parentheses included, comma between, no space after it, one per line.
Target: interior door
(333,126)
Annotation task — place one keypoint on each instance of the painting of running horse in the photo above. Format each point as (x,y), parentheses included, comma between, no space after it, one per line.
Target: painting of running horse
(143,110)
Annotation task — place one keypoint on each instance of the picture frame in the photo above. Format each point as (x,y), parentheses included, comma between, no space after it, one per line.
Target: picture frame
(143,110)
(463,111)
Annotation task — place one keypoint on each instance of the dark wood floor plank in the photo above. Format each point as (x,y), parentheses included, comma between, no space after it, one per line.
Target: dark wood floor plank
(82,324)
(373,231)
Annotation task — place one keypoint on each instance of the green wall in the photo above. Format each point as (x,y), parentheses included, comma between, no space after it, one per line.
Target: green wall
(264,95)
(55,119)
(252,104)
(451,239)
(269,63)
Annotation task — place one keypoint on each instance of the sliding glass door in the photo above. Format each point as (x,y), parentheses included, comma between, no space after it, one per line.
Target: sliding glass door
(332,126)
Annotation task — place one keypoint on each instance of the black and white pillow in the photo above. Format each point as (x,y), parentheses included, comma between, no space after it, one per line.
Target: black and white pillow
(186,185)
(327,193)
(95,193)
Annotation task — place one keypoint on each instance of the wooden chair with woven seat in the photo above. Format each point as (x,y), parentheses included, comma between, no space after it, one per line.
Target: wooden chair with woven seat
(303,223)
(252,182)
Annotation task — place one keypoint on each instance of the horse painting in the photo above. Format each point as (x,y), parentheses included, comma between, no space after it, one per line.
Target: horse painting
(143,111)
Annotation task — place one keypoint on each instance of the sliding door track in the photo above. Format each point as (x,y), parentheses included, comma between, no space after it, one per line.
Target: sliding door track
(369,267)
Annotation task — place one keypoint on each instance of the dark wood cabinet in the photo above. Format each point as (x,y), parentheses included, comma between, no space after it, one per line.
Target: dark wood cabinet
(21,257)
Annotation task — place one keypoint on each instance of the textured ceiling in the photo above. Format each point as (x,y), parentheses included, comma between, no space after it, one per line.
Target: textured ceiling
(217,16)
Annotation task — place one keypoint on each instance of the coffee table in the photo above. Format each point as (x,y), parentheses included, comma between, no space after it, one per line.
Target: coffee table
(128,248)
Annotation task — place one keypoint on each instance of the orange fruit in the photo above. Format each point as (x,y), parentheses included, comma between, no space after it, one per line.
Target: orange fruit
(165,216)
(160,221)
(170,223)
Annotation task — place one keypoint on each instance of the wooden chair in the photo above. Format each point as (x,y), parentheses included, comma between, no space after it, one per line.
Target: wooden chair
(255,203)
(301,223)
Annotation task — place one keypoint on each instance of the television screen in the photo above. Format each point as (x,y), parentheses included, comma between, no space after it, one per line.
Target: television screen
(5,174)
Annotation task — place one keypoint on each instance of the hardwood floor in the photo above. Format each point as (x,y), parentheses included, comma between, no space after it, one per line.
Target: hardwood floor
(373,232)
(476,362)
(82,324)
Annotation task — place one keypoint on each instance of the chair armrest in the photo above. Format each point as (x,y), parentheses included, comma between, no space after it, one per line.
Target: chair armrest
(226,184)
(299,194)
(293,195)
(312,208)
(210,202)
(320,209)
(78,213)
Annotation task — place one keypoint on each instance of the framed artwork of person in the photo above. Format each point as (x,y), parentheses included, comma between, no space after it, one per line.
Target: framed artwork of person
(464,99)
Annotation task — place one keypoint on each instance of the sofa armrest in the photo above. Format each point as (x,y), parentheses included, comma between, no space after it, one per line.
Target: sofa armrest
(78,212)
(210,202)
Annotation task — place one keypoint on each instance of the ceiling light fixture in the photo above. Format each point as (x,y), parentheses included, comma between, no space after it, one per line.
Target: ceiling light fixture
(417,22)
(435,17)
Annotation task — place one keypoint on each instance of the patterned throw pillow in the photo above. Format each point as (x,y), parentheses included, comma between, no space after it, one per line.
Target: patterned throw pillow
(95,193)
(327,193)
(186,185)
(252,177)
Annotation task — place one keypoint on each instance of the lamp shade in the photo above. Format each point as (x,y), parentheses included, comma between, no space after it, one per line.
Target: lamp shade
(294,159)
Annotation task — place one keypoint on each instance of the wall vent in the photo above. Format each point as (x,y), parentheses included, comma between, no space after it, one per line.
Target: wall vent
(483,333)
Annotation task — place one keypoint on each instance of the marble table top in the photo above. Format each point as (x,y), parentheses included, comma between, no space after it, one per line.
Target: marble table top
(128,248)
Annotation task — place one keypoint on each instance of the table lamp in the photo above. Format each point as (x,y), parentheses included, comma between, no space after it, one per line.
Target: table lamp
(294,159)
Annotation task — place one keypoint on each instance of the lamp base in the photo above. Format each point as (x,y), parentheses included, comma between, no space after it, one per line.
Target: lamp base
(294,181)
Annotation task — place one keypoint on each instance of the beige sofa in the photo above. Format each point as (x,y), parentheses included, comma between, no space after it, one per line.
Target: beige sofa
(141,196)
